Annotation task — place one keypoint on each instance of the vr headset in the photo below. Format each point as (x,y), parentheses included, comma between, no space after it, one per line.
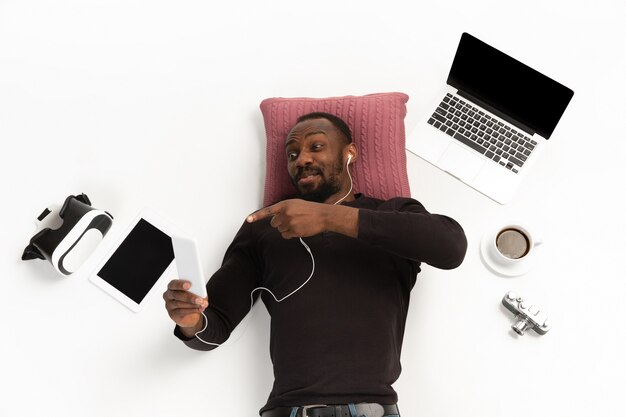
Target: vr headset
(70,244)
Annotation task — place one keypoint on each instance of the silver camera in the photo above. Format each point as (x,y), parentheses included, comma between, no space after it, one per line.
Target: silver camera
(527,315)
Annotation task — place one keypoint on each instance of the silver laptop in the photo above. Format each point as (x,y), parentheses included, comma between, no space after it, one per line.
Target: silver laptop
(492,119)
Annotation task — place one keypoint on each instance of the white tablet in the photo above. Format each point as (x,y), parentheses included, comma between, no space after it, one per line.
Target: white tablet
(137,260)
(188,264)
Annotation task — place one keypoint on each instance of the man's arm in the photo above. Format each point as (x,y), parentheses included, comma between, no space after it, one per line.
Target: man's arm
(401,226)
(229,291)
(300,218)
(405,228)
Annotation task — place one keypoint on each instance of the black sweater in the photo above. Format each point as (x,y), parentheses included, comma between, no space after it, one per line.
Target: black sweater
(338,339)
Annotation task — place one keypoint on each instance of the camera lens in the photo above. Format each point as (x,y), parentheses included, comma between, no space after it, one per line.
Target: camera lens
(521,325)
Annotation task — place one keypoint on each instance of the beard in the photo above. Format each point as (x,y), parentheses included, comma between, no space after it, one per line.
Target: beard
(327,186)
(321,194)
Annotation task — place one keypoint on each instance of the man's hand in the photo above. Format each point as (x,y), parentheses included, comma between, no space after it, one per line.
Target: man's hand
(300,218)
(184,307)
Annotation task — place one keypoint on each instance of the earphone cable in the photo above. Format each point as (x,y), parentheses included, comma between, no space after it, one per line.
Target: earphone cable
(308,249)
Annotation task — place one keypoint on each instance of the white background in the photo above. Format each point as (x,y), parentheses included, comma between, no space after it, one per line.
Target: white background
(155,103)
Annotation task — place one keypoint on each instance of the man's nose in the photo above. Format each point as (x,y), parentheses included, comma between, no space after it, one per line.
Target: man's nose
(304,158)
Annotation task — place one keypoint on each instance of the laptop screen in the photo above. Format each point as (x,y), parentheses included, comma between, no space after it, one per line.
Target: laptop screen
(507,87)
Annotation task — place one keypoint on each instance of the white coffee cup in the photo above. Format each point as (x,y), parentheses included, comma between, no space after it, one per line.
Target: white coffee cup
(512,244)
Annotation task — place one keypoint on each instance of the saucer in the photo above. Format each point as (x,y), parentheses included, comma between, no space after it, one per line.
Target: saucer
(513,270)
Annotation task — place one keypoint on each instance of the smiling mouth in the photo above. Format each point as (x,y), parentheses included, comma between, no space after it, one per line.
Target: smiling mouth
(308,178)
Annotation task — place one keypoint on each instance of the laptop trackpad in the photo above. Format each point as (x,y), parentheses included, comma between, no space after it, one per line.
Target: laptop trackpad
(460,162)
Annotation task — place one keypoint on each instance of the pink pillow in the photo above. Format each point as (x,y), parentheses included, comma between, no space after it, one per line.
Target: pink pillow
(377,125)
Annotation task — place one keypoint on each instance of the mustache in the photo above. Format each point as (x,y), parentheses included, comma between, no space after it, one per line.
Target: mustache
(306,171)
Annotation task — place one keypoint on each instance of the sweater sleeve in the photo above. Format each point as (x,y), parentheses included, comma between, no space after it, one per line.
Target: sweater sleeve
(405,228)
(229,292)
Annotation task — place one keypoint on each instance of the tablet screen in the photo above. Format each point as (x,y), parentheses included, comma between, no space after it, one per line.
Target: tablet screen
(139,261)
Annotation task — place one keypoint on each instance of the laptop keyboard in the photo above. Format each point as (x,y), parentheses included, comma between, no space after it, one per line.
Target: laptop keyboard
(482,132)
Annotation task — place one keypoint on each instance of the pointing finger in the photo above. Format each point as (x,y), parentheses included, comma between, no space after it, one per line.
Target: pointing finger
(264,213)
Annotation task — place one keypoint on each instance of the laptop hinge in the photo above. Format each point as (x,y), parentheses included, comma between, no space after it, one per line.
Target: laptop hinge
(497,112)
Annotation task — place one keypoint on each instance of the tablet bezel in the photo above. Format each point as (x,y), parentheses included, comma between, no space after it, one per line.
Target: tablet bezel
(155,220)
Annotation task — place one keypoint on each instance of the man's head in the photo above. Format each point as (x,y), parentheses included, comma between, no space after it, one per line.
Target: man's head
(318,148)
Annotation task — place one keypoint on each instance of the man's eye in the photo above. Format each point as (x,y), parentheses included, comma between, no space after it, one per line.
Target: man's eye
(317,146)
(291,156)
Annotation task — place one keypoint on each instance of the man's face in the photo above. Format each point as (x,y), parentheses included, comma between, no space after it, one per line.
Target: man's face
(314,159)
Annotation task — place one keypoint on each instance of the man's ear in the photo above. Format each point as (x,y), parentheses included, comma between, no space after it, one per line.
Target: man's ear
(352,153)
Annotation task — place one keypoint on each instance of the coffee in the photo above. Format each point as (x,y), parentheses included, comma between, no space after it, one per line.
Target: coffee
(513,243)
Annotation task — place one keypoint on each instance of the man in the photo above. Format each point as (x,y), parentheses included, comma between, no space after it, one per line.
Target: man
(335,337)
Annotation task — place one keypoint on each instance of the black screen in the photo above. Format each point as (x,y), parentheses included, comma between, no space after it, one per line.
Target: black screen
(139,261)
(507,87)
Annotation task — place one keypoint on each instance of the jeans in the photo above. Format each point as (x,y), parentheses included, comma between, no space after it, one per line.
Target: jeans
(352,408)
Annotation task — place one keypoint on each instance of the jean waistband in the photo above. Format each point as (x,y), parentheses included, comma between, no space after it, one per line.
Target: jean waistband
(335,410)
